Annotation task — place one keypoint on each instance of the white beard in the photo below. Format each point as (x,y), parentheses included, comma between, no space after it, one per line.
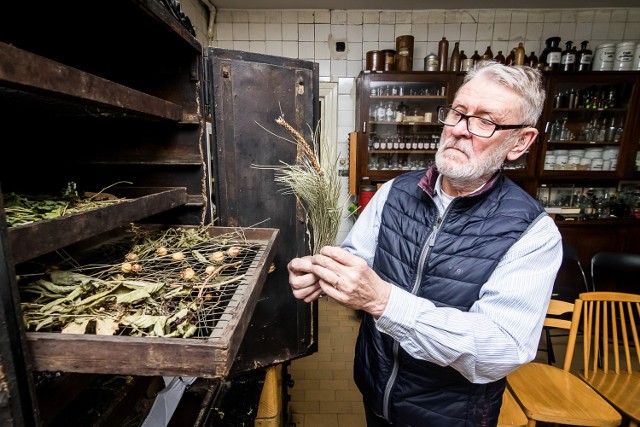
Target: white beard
(476,170)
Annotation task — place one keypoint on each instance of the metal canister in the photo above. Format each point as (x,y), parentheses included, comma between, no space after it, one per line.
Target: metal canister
(404,53)
(375,60)
(389,59)
(431,62)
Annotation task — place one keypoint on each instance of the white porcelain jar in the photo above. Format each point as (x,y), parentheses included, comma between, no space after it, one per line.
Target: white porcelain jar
(604,57)
(624,56)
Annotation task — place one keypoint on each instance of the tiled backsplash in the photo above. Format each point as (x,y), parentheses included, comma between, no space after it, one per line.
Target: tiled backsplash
(313,34)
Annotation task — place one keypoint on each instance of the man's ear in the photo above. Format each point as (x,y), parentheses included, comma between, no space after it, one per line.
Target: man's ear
(522,144)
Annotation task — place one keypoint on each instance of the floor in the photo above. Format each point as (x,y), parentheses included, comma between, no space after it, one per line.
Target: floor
(324,394)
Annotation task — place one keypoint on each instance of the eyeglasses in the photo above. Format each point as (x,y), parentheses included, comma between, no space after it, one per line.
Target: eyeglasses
(483,128)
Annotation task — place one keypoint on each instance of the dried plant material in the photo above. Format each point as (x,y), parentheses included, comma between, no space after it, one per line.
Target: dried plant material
(160,297)
(315,183)
(23,209)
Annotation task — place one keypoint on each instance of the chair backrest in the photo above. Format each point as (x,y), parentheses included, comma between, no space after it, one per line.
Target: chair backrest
(555,319)
(615,271)
(610,325)
(571,279)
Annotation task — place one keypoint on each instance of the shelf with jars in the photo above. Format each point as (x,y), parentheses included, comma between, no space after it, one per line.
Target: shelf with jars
(589,126)
(397,120)
(588,130)
(398,130)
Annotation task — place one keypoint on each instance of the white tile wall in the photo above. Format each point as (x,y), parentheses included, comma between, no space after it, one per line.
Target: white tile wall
(311,35)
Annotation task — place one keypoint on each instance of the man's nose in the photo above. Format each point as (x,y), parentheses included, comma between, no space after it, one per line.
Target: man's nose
(461,128)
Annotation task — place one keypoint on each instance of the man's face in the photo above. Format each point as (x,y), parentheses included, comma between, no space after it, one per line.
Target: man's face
(464,157)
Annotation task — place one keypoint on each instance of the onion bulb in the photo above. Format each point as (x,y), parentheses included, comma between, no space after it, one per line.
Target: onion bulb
(209,270)
(187,274)
(126,267)
(131,257)
(178,256)
(136,268)
(162,251)
(217,257)
(234,251)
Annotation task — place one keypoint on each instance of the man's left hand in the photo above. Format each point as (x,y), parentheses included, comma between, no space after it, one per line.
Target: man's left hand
(349,280)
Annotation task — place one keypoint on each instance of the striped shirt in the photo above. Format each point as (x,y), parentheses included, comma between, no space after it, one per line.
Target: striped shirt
(501,331)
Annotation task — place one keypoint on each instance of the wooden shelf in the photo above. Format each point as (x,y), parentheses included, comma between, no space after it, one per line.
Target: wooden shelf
(41,80)
(32,240)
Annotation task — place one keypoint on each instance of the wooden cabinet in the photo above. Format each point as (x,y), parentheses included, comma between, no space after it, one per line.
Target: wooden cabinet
(587,116)
(589,144)
(584,166)
(397,121)
(115,98)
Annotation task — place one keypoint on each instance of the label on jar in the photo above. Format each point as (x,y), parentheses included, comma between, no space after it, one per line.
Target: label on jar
(554,57)
(569,58)
(404,51)
(586,59)
(431,63)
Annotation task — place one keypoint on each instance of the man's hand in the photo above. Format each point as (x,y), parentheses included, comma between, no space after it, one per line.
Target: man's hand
(304,283)
(348,279)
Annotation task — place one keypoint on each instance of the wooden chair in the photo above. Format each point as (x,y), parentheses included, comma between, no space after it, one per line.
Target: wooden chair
(510,412)
(611,359)
(570,282)
(549,394)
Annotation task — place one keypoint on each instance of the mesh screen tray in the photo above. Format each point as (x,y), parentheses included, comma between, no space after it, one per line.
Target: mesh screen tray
(220,319)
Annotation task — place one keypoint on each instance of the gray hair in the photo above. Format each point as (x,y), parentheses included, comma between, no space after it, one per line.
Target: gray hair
(524,80)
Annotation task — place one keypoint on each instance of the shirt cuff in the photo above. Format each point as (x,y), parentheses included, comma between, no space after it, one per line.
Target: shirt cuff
(399,316)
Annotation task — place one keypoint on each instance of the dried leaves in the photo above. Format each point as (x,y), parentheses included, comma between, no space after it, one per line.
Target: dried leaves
(167,296)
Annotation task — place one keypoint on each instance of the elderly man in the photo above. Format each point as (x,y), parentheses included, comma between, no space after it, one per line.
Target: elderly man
(452,267)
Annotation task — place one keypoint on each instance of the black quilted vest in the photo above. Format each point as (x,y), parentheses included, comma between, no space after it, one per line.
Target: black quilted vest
(475,233)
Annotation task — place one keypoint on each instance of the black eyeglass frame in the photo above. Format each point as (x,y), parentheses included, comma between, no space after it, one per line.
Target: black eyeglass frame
(467,116)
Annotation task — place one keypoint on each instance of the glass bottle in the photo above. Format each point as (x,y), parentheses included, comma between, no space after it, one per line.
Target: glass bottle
(488,54)
(476,57)
(511,58)
(532,60)
(585,56)
(568,58)
(454,63)
(520,56)
(552,54)
(500,59)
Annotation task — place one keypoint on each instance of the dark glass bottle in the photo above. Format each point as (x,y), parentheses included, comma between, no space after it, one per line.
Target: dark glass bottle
(488,54)
(585,56)
(443,54)
(500,59)
(532,60)
(568,59)
(552,54)
(454,63)
(476,57)
(511,58)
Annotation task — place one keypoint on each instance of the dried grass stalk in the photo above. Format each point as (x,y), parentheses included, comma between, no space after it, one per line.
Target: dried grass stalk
(315,184)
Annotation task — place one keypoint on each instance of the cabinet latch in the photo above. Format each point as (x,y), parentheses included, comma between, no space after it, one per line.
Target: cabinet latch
(364,127)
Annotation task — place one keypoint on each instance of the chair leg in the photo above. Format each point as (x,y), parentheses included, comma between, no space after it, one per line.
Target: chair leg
(531,423)
(551,358)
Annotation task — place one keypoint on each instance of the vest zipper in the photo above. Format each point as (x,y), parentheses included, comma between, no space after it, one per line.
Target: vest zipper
(396,345)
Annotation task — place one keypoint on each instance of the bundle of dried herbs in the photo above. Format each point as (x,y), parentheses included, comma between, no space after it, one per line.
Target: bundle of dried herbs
(315,183)
(170,283)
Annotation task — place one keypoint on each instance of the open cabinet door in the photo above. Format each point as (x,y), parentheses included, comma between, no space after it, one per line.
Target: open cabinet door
(248,92)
